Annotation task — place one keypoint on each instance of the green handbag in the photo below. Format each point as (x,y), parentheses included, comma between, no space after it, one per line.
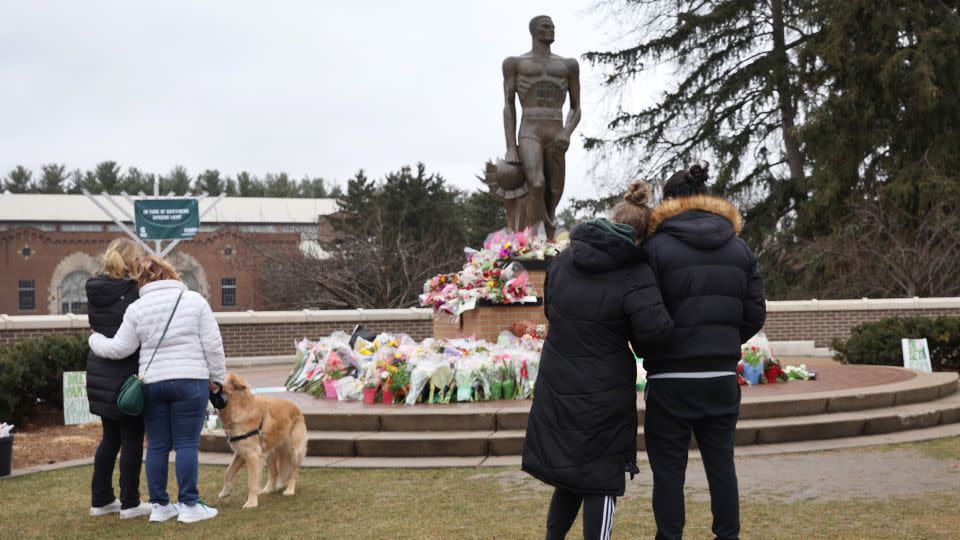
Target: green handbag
(131,396)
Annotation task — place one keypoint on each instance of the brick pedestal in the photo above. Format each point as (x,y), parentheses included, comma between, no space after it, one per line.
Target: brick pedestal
(486,322)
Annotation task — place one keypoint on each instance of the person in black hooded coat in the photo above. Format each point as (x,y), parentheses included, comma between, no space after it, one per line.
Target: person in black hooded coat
(600,297)
(712,288)
(108,296)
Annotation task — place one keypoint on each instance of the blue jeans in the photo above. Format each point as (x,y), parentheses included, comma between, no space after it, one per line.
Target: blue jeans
(173,417)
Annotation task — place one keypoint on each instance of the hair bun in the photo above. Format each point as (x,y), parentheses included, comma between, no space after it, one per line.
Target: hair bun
(700,173)
(638,193)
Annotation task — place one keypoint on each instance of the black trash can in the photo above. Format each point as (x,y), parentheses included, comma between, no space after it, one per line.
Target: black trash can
(6,455)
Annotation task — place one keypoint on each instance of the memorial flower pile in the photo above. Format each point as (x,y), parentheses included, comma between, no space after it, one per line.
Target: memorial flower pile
(492,274)
(431,371)
(759,366)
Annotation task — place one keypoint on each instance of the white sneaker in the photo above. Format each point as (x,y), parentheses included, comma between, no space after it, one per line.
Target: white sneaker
(111,508)
(145,509)
(162,512)
(197,512)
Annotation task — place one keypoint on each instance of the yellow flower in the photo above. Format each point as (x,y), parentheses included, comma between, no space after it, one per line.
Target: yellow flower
(491,284)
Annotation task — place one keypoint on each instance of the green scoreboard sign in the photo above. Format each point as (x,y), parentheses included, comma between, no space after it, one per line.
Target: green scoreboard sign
(167,219)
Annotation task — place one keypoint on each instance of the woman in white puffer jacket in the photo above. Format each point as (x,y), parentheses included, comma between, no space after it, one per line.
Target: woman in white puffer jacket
(177,382)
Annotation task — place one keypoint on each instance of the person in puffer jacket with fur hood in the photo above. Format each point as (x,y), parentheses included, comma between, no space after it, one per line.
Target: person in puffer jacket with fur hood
(178,381)
(712,288)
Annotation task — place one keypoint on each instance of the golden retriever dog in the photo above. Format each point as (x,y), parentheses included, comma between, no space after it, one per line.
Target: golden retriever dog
(262,431)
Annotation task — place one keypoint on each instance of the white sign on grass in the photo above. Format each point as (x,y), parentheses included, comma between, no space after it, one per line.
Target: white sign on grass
(76,408)
(916,354)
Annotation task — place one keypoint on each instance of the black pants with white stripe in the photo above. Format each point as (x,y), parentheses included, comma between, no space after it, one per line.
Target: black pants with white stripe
(597,515)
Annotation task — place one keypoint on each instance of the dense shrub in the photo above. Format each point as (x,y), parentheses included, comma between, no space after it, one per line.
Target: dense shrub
(32,370)
(879,342)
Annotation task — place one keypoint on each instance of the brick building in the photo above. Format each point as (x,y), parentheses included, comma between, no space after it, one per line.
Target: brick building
(51,244)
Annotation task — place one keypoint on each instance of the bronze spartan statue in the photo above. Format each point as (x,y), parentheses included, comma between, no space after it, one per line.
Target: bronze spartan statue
(530,177)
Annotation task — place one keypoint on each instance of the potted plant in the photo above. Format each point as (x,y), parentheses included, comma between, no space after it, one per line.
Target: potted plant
(6,449)
(397,384)
(369,393)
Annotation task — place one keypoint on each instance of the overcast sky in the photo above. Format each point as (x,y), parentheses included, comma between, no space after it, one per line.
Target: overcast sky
(307,87)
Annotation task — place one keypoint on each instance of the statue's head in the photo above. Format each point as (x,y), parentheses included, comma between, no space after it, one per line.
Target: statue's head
(541,28)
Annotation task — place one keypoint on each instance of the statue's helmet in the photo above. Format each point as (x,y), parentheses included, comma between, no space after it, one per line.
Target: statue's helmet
(506,179)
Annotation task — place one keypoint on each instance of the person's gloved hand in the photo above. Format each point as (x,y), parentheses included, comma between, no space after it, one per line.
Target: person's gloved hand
(217,397)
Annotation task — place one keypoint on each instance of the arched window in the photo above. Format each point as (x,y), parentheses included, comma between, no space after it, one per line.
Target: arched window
(190,281)
(73,293)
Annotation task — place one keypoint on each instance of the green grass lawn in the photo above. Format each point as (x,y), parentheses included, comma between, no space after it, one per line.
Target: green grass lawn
(452,503)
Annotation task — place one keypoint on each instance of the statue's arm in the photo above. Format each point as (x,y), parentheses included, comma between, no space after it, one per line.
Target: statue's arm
(510,106)
(573,83)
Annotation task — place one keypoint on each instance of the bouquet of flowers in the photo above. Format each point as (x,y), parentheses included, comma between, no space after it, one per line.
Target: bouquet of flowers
(758,365)
(751,364)
(773,372)
(797,373)
(334,369)
(490,274)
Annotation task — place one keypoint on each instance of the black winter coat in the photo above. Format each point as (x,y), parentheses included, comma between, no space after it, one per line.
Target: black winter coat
(600,295)
(107,300)
(709,281)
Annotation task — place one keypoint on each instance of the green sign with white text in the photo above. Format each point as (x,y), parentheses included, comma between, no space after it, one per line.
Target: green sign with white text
(167,219)
(76,408)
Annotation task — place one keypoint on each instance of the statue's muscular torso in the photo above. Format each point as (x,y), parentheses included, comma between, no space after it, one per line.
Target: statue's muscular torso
(542,83)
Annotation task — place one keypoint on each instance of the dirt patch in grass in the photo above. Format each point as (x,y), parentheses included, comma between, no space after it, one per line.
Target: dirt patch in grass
(53,444)
(44,440)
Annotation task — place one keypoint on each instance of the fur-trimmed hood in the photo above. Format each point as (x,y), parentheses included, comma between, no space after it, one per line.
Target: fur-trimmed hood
(701,221)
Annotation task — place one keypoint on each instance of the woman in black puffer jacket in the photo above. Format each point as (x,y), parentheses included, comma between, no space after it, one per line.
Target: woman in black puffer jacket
(108,296)
(600,297)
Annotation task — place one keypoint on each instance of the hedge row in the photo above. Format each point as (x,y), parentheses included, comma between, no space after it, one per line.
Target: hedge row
(879,342)
(31,371)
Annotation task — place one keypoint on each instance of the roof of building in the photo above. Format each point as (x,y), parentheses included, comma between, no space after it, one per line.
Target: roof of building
(39,208)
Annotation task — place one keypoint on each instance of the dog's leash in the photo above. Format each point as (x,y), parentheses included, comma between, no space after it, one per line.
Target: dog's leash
(258,432)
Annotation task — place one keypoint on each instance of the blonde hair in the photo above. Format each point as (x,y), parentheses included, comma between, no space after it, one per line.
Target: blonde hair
(152,268)
(633,209)
(120,259)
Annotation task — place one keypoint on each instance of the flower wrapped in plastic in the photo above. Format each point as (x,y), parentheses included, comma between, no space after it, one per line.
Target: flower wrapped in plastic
(349,389)
(486,373)
(303,362)
(467,376)
(441,381)
(529,369)
(797,373)
(421,369)
(334,368)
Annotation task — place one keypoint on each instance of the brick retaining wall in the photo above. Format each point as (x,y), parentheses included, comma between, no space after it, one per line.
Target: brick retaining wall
(251,334)
(822,326)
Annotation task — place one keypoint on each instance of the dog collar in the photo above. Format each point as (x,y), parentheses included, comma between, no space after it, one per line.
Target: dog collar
(248,434)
